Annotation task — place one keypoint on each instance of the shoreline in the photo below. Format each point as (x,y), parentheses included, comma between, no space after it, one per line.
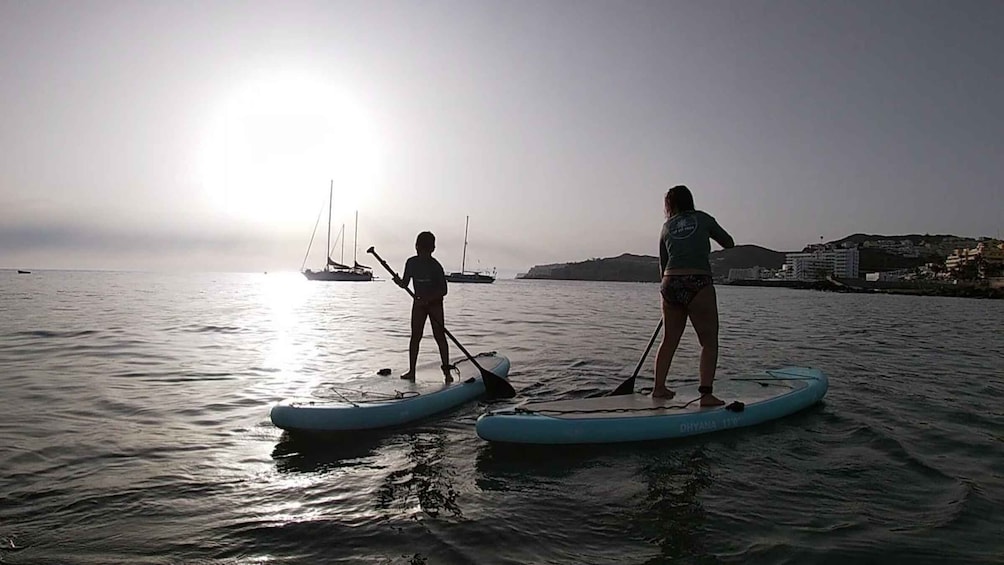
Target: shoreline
(871,287)
(850,286)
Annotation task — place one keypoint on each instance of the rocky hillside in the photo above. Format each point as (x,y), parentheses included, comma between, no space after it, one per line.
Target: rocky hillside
(626,267)
(744,257)
(645,268)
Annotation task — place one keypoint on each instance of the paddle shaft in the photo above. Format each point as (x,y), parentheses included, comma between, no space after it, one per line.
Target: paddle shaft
(434,320)
(641,361)
(627,387)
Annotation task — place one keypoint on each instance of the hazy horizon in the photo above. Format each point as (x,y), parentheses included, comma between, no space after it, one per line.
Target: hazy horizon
(163,136)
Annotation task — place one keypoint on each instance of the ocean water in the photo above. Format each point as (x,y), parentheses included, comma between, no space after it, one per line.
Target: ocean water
(135,429)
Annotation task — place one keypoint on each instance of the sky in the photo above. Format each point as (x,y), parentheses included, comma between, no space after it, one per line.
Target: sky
(206,136)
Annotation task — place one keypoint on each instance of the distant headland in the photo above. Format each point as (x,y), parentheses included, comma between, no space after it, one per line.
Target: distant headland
(645,268)
(913,264)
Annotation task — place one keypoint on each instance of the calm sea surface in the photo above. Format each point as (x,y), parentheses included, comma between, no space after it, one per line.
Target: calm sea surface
(134,429)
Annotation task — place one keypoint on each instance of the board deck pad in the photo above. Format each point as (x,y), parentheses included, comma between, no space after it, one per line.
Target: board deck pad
(686,400)
(371,387)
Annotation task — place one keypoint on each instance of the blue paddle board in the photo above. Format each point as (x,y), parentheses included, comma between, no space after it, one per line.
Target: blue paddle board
(380,402)
(639,417)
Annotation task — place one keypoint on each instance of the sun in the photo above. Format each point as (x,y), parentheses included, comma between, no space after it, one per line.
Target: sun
(276,144)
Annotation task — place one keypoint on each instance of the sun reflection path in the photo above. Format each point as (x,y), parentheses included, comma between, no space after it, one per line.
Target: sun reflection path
(284,298)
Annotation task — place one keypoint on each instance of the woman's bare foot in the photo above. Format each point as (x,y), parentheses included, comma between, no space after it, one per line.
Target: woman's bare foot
(409,376)
(709,400)
(447,372)
(662,393)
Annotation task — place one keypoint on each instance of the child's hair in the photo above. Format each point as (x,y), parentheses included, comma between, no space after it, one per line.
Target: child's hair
(425,242)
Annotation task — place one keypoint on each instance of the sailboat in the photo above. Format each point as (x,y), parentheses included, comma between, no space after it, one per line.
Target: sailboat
(464,276)
(333,270)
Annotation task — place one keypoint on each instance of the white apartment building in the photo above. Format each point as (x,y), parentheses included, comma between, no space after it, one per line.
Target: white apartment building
(840,263)
(897,275)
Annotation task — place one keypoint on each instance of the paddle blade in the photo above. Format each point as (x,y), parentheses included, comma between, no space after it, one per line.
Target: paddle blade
(626,387)
(496,386)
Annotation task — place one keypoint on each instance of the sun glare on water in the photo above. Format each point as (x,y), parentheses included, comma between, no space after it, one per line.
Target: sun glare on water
(278,142)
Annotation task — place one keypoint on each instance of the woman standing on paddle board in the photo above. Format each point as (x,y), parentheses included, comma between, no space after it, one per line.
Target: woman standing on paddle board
(687,289)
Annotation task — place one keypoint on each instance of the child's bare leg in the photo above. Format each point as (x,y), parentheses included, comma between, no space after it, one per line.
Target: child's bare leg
(418,315)
(439,333)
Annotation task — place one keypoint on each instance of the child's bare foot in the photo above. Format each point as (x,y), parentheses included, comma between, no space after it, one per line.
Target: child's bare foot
(663,393)
(709,400)
(409,376)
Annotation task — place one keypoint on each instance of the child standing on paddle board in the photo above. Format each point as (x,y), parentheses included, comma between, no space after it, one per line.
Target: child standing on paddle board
(687,289)
(430,289)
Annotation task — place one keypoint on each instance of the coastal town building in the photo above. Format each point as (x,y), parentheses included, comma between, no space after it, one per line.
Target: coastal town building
(984,260)
(822,263)
(948,245)
(897,275)
(901,247)
(751,274)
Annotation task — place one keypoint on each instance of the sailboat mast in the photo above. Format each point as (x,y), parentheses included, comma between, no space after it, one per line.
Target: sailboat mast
(342,258)
(327,248)
(463,259)
(355,236)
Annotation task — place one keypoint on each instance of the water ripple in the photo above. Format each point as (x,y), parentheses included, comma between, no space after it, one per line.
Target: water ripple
(136,429)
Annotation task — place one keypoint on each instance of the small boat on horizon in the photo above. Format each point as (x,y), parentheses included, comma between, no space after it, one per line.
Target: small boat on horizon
(465,276)
(23,272)
(333,270)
